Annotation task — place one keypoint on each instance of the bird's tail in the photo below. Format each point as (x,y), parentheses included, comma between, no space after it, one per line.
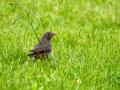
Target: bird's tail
(31,55)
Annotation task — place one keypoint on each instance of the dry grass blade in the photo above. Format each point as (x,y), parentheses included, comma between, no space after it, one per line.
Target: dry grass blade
(31,13)
(15,21)
(36,35)
(35,16)
(13,3)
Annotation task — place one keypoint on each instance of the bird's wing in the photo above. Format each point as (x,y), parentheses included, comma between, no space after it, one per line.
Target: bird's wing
(46,45)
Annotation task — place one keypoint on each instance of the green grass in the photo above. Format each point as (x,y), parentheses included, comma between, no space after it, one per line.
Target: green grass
(86,47)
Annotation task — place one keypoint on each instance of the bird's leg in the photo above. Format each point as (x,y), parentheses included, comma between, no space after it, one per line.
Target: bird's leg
(35,58)
(44,56)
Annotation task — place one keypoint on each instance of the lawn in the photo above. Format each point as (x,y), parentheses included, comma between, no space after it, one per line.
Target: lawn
(85,52)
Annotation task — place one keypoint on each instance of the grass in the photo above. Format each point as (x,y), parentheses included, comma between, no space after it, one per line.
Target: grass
(85,52)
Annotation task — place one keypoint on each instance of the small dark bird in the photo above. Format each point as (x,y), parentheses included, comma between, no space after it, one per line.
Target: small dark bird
(44,50)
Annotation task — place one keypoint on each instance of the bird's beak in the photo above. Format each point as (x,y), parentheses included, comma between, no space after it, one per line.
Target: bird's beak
(54,34)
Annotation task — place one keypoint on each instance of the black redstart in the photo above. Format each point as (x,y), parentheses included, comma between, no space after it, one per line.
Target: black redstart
(45,49)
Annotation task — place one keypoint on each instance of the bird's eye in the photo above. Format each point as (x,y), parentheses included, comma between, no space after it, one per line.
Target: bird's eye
(48,34)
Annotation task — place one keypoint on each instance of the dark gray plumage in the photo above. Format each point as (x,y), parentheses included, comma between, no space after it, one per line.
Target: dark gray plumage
(38,50)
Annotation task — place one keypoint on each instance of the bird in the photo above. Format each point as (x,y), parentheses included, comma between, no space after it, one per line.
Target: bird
(43,47)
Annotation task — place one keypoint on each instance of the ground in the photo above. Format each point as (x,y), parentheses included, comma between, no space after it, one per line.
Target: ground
(85,52)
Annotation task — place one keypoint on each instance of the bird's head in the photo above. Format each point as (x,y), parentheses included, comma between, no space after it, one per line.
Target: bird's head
(47,36)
